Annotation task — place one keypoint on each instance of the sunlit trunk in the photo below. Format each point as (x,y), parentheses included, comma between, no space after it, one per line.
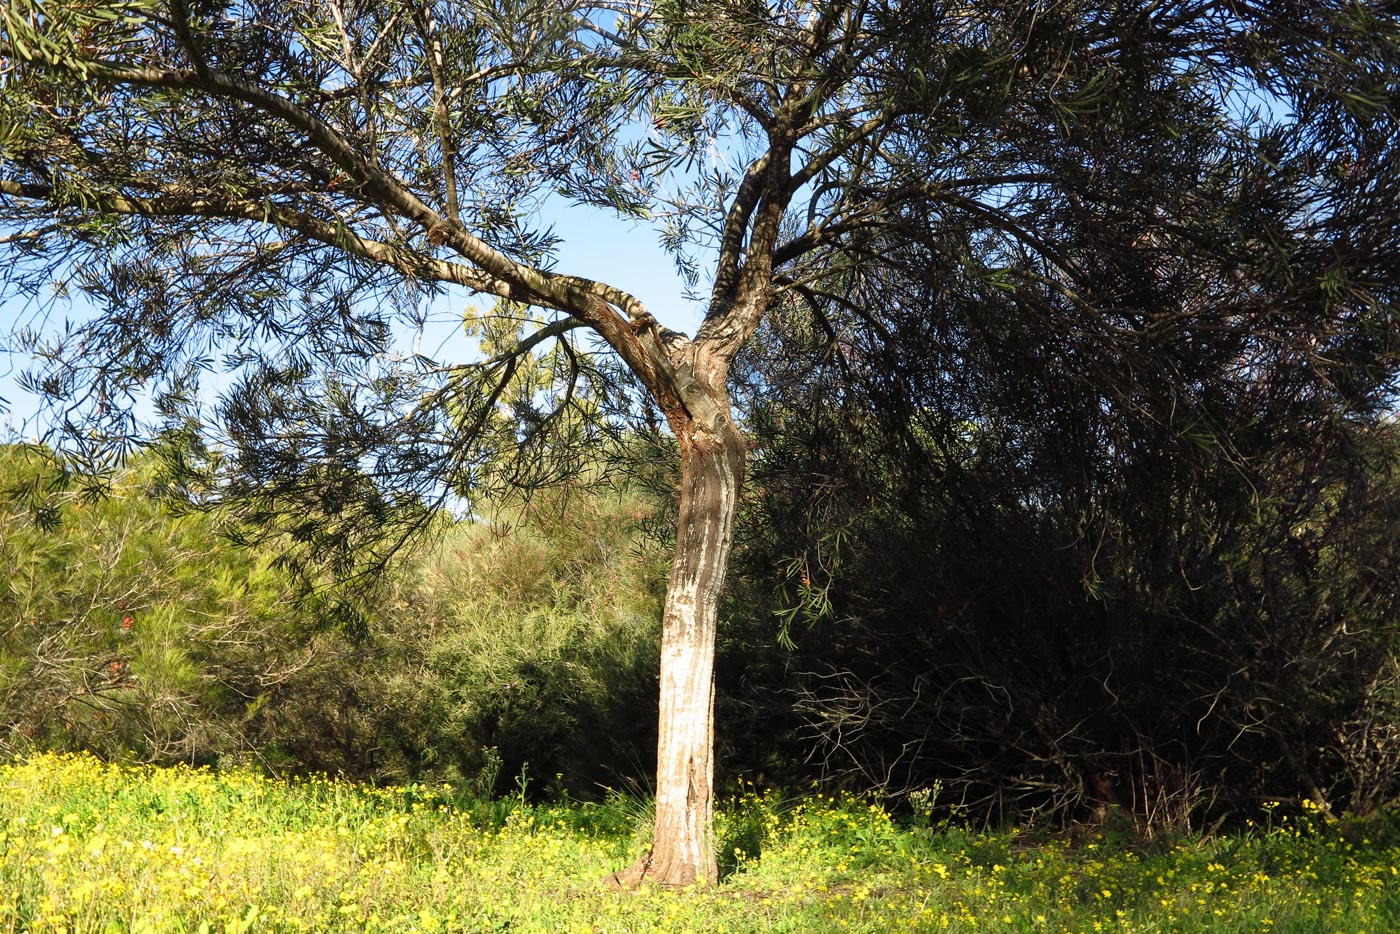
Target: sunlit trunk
(683,845)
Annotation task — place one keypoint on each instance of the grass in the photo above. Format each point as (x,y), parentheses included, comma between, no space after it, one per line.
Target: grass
(86,846)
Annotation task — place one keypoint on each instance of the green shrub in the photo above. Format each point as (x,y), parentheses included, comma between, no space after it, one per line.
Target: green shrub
(126,630)
(525,644)
(540,633)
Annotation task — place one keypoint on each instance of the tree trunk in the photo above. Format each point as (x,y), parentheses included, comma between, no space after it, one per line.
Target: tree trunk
(712,467)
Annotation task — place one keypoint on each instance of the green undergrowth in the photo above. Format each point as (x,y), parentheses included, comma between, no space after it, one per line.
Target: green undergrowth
(89,846)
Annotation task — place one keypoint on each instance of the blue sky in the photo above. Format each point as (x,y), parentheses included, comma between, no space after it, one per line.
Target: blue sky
(594,244)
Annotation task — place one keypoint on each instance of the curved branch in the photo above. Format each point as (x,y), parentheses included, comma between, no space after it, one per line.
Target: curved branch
(872,215)
(829,155)
(569,293)
(554,329)
(337,235)
(815,296)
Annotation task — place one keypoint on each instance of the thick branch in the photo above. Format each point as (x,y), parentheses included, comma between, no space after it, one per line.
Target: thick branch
(29,236)
(736,228)
(573,294)
(432,37)
(336,235)
(644,346)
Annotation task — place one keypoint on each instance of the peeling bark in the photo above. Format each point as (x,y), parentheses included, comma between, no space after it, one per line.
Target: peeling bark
(712,467)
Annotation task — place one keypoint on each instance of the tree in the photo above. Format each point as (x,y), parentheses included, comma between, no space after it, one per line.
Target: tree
(274,181)
(1011,585)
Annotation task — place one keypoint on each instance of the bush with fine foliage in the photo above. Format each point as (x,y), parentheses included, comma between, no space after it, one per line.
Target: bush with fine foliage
(521,645)
(997,579)
(126,630)
(526,644)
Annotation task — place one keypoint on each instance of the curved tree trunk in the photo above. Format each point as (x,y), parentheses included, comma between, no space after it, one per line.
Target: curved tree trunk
(712,467)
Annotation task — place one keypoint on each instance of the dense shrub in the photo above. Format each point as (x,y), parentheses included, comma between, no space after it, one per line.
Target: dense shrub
(523,644)
(1006,586)
(128,631)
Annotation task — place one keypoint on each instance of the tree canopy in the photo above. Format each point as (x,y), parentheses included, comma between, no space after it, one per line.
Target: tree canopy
(1153,187)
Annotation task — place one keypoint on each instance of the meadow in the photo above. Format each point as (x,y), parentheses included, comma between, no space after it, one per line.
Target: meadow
(91,846)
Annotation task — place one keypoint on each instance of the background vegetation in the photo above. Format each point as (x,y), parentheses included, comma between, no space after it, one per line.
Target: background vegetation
(1064,585)
(524,644)
(1159,652)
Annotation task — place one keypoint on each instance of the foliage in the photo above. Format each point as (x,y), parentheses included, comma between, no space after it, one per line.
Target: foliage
(1194,611)
(270,201)
(1086,507)
(89,846)
(524,645)
(127,631)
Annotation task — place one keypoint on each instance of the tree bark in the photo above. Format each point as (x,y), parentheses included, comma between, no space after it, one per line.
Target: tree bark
(712,467)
